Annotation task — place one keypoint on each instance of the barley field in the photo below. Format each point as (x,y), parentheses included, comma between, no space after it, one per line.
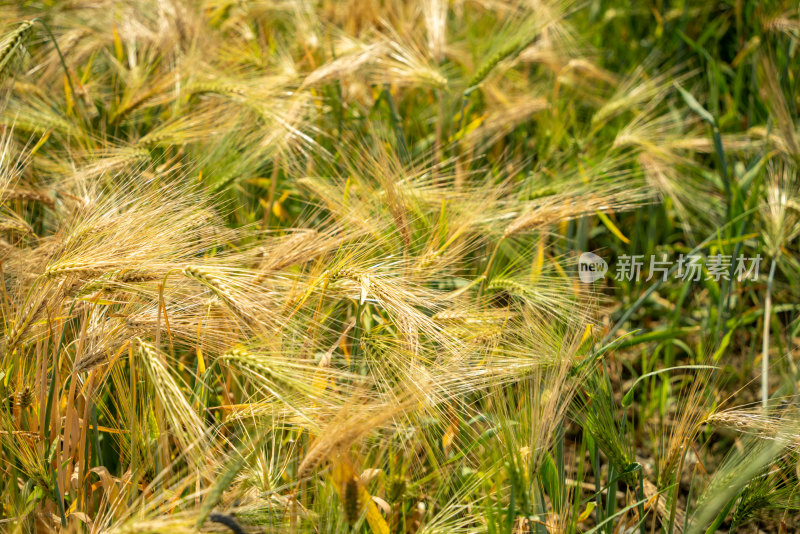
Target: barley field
(388,267)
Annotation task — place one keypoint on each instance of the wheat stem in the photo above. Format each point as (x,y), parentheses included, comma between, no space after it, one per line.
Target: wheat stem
(765,340)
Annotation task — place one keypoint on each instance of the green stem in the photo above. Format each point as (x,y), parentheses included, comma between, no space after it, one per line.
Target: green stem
(63,63)
(765,345)
(488,267)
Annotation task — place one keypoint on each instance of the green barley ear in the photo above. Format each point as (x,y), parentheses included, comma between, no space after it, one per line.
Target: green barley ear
(511,50)
(397,488)
(184,423)
(522,38)
(13,42)
(225,480)
(350,499)
(735,473)
(598,414)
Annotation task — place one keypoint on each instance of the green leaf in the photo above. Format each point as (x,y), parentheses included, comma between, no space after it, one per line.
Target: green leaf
(551,481)
(628,398)
(695,106)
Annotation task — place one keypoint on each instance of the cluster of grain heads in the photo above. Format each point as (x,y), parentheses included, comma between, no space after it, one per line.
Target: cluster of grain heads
(298,266)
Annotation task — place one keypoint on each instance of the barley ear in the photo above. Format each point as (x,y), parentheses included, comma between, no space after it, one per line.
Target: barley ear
(13,41)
